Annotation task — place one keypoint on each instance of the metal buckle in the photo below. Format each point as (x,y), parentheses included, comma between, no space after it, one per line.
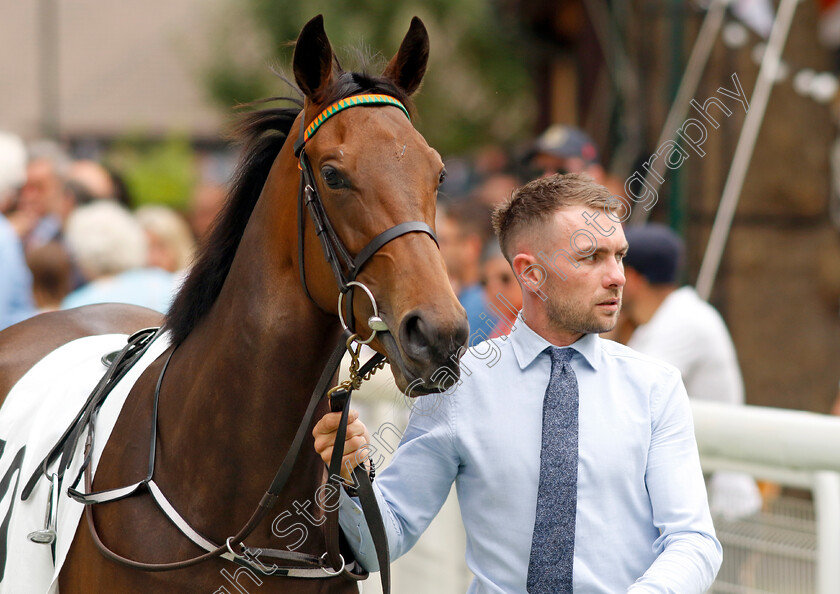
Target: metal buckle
(327,571)
(375,323)
(235,555)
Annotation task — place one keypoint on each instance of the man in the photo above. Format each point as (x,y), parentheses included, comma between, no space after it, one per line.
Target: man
(43,204)
(15,280)
(463,228)
(675,325)
(574,457)
(566,149)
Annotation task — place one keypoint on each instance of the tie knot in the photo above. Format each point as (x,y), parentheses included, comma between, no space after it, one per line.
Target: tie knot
(560,355)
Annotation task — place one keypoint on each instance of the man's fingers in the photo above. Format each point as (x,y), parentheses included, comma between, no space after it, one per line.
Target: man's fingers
(351,448)
(330,422)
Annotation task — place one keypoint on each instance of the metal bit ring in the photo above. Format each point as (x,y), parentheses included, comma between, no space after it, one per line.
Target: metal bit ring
(372,302)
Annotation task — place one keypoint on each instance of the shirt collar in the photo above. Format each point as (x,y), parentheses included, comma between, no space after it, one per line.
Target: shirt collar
(527,345)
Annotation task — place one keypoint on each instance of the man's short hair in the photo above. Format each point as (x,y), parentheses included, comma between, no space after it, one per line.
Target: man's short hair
(656,252)
(537,201)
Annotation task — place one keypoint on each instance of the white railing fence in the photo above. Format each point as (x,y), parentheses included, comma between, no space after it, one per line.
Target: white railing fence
(793,545)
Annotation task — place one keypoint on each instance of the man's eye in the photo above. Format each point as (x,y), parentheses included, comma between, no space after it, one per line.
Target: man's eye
(442,177)
(332,178)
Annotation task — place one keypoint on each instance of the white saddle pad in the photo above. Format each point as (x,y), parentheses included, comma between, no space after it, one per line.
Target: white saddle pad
(35,414)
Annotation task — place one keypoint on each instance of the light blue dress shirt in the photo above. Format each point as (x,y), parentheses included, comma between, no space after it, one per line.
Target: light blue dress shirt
(16,302)
(643,522)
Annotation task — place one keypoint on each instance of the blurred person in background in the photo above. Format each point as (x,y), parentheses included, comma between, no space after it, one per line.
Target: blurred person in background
(15,280)
(42,205)
(52,275)
(91,178)
(501,289)
(111,250)
(171,242)
(463,228)
(495,189)
(206,203)
(566,149)
(674,324)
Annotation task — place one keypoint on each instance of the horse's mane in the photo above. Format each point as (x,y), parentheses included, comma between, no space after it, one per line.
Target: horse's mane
(262,134)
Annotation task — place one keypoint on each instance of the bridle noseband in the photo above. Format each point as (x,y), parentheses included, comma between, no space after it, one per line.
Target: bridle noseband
(345,267)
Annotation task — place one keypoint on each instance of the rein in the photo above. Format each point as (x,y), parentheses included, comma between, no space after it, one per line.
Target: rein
(345,268)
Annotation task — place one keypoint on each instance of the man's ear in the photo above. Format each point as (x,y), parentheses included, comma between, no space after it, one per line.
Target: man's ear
(407,67)
(313,59)
(529,271)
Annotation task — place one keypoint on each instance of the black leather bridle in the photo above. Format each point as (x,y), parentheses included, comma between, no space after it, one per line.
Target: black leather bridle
(345,267)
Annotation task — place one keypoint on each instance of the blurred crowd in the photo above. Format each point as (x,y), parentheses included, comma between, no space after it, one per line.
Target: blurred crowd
(69,236)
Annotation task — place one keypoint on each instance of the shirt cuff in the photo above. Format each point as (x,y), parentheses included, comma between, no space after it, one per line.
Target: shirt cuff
(352,522)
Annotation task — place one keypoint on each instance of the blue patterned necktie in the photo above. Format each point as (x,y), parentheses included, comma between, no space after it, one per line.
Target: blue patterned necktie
(553,543)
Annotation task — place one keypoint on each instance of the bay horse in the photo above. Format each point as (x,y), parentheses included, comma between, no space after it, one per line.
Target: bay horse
(256,320)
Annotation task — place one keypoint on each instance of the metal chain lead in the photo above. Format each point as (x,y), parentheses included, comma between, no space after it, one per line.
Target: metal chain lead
(355,380)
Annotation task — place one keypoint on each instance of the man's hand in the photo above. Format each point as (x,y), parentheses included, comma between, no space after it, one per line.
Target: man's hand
(357,436)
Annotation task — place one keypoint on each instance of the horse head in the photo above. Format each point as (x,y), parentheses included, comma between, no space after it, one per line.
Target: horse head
(374,171)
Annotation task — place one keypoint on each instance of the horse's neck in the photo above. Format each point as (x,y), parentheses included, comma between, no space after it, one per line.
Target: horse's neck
(238,386)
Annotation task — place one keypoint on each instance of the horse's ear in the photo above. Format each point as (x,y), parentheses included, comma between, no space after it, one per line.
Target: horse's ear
(408,66)
(313,58)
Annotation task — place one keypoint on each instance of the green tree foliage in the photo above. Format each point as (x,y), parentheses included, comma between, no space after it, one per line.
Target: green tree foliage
(155,172)
(477,89)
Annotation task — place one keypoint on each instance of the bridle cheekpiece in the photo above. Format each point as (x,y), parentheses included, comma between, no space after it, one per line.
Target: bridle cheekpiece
(345,266)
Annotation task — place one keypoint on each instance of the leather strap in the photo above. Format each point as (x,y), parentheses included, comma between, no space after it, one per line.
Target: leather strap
(340,402)
(268,501)
(135,348)
(389,235)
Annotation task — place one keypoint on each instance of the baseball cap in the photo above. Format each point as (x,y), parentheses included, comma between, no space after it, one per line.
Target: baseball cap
(565,141)
(655,251)
(12,162)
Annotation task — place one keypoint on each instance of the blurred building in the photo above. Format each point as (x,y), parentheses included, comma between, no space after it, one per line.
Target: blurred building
(98,69)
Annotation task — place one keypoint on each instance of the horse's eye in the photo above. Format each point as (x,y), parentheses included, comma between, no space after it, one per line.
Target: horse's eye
(442,176)
(332,177)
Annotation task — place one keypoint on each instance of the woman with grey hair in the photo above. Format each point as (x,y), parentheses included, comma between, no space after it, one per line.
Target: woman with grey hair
(110,248)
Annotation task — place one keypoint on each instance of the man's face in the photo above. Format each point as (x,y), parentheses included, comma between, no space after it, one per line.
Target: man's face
(42,192)
(449,238)
(589,299)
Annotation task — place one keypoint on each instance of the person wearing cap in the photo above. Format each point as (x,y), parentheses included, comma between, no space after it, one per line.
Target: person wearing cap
(566,149)
(674,324)
(16,302)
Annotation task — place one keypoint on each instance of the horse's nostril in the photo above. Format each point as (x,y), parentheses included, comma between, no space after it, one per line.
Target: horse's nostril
(414,336)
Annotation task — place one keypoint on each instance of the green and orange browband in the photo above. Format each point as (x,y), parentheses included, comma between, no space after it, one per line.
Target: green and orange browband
(355,100)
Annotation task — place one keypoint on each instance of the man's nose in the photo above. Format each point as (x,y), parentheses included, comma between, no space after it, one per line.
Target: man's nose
(615,275)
